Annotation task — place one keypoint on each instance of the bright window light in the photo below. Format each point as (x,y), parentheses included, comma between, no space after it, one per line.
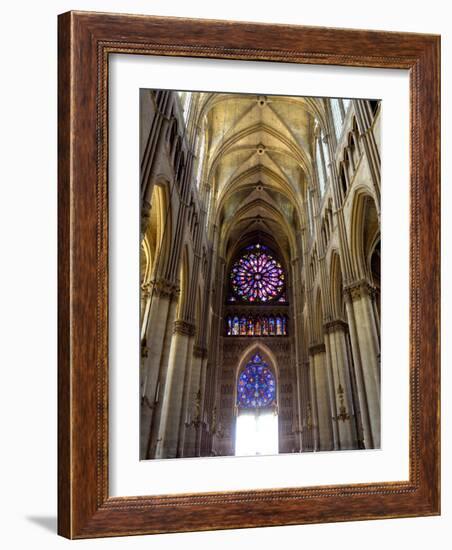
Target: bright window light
(257,434)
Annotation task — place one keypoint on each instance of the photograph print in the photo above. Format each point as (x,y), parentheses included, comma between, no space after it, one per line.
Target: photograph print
(260,249)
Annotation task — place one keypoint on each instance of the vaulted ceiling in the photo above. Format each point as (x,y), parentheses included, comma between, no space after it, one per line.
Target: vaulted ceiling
(259,162)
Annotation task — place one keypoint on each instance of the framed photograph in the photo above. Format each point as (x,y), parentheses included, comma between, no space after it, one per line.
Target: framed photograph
(248,275)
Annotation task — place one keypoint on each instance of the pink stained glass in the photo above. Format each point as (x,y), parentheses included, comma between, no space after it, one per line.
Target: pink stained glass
(257,277)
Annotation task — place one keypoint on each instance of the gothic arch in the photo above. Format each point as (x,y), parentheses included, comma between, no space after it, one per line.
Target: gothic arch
(272,214)
(305,337)
(318,317)
(157,238)
(374,265)
(336,282)
(364,231)
(373,260)
(249,239)
(246,356)
(184,284)
(145,261)
(198,314)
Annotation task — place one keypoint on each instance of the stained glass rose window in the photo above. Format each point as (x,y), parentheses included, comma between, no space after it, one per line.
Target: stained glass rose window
(256,387)
(256,276)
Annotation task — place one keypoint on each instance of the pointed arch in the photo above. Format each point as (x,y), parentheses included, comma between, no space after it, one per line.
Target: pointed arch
(273,215)
(198,313)
(184,282)
(318,317)
(336,286)
(364,231)
(374,264)
(145,261)
(157,237)
(268,356)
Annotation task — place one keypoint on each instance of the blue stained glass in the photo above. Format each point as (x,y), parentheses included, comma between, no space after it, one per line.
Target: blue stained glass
(256,276)
(275,325)
(278,326)
(256,386)
(242,326)
(257,327)
(271,326)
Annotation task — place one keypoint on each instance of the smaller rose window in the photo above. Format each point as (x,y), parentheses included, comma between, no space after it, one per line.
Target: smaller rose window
(256,387)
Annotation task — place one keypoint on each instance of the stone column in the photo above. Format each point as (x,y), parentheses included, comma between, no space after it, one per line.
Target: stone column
(167,445)
(365,360)
(315,407)
(344,417)
(192,414)
(159,326)
(145,304)
(366,328)
(297,409)
(307,424)
(161,383)
(187,397)
(322,396)
(331,393)
(297,338)
(203,387)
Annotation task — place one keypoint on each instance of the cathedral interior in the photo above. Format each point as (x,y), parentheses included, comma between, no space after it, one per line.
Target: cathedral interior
(260,274)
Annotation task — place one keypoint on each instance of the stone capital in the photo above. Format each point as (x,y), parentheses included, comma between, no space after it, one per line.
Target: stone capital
(199,351)
(315,349)
(335,325)
(146,290)
(358,289)
(165,288)
(184,327)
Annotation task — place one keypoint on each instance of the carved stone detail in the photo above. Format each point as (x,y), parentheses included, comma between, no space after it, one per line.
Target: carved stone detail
(199,351)
(336,324)
(233,347)
(184,327)
(145,216)
(165,288)
(314,349)
(146,290)
(359,289)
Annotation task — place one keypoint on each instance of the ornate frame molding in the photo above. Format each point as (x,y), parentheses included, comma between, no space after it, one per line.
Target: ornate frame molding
(85,42)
